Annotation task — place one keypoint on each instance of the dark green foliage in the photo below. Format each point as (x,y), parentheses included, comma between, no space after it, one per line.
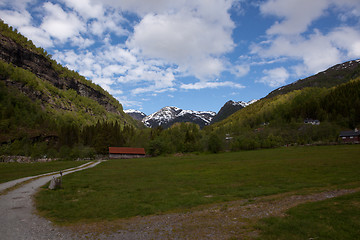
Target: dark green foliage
(181,137)
(280,120)
(214,144)
(343,103)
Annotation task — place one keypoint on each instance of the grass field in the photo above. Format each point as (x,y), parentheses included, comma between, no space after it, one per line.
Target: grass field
(337,218)
(126,188)
(11,171)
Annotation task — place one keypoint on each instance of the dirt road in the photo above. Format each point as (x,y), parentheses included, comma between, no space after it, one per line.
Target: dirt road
(17,218)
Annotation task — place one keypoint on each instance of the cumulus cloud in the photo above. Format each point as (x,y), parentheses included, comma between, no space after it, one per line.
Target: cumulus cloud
(86,8)
(295,38)
(296,15)
(16,18)
(275,77)
(185,39)
(60,24)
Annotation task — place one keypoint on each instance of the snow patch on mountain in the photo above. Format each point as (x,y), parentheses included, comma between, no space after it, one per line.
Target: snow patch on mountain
(241,103)
(136,114)
(169,115)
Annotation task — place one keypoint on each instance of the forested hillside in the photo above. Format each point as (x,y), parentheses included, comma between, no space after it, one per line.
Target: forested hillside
(280,120)
(45,107)
(47,110)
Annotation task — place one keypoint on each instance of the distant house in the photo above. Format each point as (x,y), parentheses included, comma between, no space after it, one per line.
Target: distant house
(350,136)
(312,121)
(126,152)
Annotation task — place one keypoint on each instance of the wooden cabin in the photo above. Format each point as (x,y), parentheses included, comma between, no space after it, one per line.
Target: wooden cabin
(350,136)
(126,152)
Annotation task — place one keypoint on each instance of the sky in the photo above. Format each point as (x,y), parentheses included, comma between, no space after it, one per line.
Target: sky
(192,54)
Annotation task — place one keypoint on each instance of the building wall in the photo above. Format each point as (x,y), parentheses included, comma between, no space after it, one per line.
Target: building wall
(124,156)
(354,139)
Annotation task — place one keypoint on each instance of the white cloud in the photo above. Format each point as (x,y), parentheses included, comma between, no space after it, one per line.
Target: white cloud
(346,39)
(240,70)
(37,35)
(111,65)
(185,40)
(275,77)
(317,51)
(60,24)
(297,15)
(294,37)
(15,4)
(15,18)
(86,8)
(202,85)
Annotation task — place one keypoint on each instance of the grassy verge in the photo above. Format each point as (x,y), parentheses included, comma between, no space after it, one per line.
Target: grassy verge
(12,171)
(126,188)
(330,219)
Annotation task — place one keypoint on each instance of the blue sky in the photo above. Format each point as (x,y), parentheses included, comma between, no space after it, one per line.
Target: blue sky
(192,54)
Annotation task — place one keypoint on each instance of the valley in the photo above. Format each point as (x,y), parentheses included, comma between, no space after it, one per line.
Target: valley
(253,170)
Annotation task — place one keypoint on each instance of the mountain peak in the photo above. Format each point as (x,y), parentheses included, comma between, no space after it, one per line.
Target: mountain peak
(169,115)
(229,108)
(135,114)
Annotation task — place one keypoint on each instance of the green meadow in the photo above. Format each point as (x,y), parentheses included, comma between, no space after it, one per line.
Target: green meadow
(336,218)
(12,171)
(138,187)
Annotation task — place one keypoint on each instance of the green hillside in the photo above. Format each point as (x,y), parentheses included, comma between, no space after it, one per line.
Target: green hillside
(280,120)
(43,103)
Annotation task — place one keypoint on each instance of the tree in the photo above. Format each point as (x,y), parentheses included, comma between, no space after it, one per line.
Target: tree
(214,144)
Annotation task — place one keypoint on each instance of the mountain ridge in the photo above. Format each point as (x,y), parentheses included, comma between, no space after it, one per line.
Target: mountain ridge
(169,115)
(333,76)
(229,108)
(135,114)
(29,77)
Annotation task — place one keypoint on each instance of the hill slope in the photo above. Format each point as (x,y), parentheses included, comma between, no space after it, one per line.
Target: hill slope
(333,76)
(229,108)
(280,119)
(40,96)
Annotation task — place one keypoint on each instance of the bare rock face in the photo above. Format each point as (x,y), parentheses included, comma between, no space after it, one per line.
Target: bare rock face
(42,67)
(55,183)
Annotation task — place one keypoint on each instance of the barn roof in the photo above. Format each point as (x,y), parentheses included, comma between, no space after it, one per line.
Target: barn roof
(349,133)
(127,150)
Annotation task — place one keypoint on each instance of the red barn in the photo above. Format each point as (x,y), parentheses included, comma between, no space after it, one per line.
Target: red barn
(350,136)
(126,152)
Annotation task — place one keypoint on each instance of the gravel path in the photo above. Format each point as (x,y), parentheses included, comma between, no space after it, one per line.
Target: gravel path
(17,218)
(10,184)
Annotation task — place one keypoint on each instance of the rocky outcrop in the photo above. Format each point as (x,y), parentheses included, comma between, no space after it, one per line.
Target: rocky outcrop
(42,67)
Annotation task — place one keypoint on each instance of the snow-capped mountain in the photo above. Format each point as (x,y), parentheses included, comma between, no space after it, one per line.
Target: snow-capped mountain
(229,108)
(167,116)
(135,114)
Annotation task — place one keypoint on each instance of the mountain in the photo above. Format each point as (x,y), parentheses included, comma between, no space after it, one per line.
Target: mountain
(39,96)
(135,114)
(229,108)
(333,76)
(167,116)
